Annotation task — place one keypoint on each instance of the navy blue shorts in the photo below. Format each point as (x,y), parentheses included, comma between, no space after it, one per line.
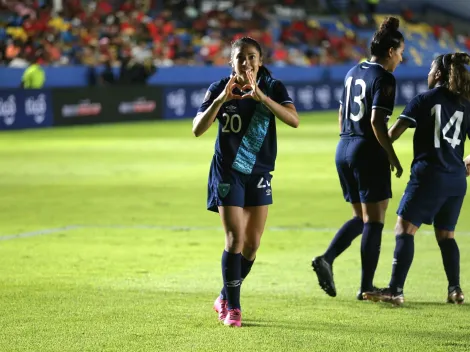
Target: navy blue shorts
(363,170)
(419,207)
(228,187)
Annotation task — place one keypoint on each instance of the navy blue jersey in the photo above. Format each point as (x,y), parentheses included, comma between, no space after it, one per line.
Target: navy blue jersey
(442,122)
(246,140)
(367,86)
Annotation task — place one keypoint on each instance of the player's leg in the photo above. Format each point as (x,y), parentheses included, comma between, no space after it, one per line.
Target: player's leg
(233,223)
(258,196)
(372,171)
(416,207)
(374,218)
(322,265)
(402,259)
(346,234)
(255,220)
(444,228)
(226,195)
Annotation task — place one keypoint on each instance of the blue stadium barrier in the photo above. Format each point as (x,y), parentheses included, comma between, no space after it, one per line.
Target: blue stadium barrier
(20,109)
(183,101)
(174,93)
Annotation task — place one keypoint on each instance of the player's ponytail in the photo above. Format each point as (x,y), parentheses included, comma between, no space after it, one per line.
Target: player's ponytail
(386,37)
(455,75)
(263,70)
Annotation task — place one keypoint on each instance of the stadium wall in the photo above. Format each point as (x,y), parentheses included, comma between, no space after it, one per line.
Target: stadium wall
(173,93)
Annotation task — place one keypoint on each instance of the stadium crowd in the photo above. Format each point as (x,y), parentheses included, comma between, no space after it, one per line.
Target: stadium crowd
(181,33)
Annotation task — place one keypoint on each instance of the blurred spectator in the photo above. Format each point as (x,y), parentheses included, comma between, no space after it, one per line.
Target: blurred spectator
(107,76)
(134,72)
(34,76)
(183,32)
(19,61)
(372,6)
(408,15)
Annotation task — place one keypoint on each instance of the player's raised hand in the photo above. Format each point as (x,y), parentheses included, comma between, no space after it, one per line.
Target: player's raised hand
(395,165)
(467,164)
(254,93)
(227,94)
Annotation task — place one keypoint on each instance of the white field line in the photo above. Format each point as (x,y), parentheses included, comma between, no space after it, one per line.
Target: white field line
(182,228)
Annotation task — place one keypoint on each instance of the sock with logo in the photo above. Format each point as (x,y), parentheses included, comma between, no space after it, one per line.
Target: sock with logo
(343,238)
(370,252)
(245,270)
(451,260)
(231,273)
(402,259)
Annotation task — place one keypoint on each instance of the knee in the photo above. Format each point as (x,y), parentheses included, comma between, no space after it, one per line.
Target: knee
(233,241)
(250,246)
(442,235)
(403,226)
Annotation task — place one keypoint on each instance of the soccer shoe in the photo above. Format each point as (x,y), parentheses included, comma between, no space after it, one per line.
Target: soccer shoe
(325,275)
(220,306)
(385,295)
(233,318)
(456,296)
(360,294)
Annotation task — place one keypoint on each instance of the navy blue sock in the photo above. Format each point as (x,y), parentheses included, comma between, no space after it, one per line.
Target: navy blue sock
(370,252)
(231,273)
(451,260)
(343,238)
(402,259)
(245,270)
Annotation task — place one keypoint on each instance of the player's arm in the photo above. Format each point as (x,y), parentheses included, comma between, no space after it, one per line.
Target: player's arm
(204,119)
(281,104)
(408,118)
(286,113)
(380,130)
(400,126)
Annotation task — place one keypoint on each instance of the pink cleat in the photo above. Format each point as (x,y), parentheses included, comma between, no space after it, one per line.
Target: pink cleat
(220,306)
(233,318)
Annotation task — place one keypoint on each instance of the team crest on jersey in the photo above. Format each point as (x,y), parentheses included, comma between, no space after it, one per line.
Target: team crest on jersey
(223,189)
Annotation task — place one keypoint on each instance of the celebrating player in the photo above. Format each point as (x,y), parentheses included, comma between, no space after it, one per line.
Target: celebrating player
(437,185)
(365,156)
(239,188)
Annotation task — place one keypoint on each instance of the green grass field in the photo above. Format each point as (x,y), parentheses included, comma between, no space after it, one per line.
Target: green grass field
(105,245)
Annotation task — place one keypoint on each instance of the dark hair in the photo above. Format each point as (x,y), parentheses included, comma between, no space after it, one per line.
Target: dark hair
(455,75)
(250,41)
(386,37)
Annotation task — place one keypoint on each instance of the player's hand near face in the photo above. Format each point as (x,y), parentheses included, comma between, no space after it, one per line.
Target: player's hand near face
(467,164)
(255,93)
(227,94)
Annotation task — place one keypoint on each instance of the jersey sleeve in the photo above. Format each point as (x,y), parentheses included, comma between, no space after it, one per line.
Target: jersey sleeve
(413,110)
(384,93)
(212,93)
(280,94)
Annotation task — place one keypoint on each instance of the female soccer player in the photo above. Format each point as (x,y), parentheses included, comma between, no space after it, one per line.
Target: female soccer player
(437,185)
(239,188)
(365,156)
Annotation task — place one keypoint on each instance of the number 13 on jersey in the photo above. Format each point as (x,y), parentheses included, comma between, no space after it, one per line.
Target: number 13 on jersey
(358,99)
